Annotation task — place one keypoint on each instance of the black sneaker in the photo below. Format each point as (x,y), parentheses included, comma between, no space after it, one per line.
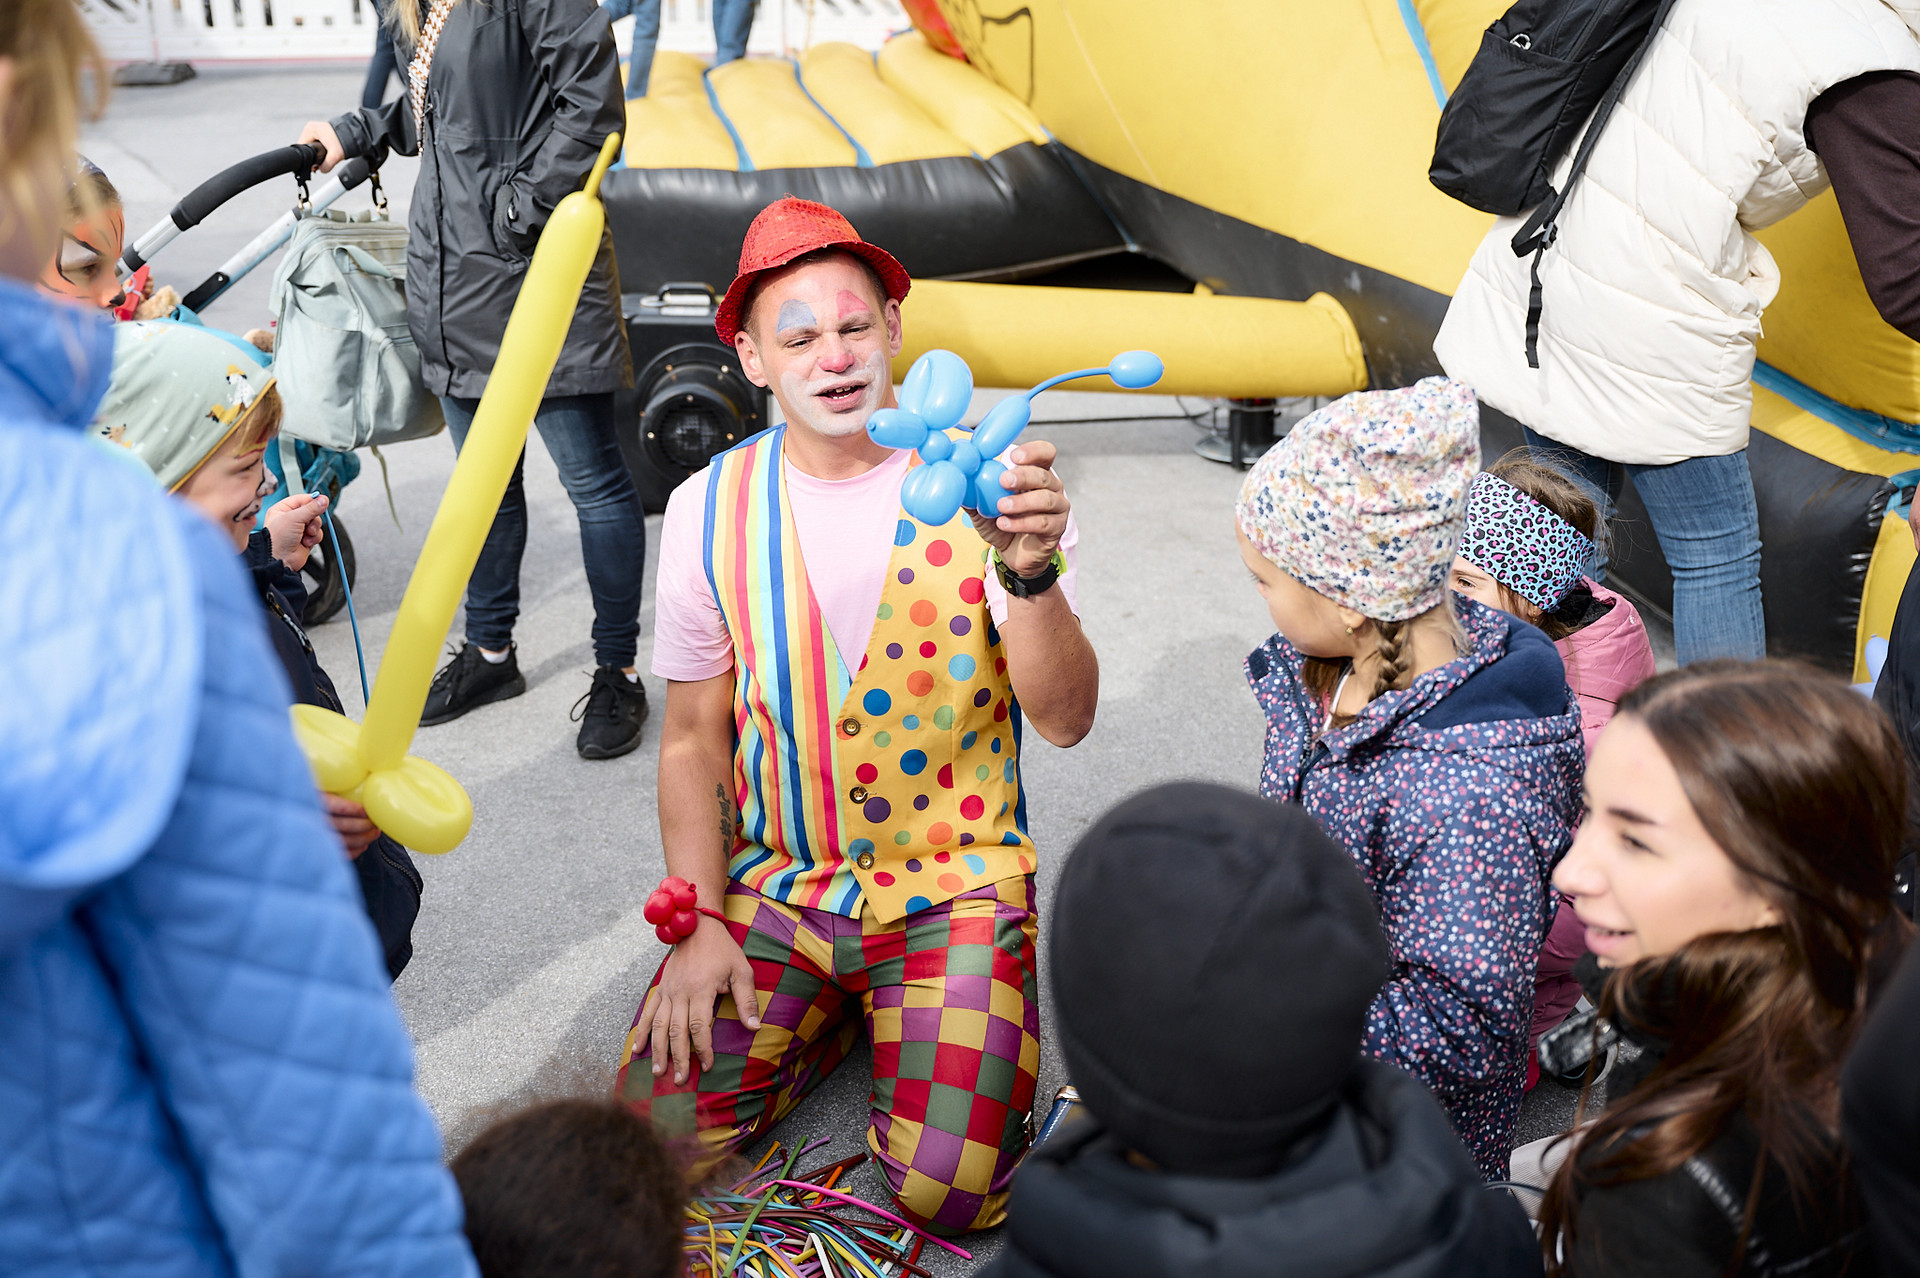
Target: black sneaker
(468,681)
(610,714)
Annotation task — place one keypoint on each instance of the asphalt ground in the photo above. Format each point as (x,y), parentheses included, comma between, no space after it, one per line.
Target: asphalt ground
(530,951)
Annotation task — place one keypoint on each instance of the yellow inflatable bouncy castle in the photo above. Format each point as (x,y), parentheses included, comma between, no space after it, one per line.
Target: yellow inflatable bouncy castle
(1246,183)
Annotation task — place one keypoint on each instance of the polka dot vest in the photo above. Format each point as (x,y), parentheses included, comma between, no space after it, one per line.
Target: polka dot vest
(895,783)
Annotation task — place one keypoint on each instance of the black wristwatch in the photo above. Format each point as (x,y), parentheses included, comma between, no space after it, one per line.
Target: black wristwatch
(1027,587)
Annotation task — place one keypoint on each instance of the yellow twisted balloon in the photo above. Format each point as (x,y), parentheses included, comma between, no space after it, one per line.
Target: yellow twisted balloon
(411,799)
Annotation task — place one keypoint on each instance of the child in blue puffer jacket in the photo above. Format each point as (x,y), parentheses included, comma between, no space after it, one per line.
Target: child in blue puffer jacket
(202,1072)
(1433,737)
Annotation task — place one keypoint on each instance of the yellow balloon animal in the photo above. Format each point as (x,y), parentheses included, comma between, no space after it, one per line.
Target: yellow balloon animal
(411,799)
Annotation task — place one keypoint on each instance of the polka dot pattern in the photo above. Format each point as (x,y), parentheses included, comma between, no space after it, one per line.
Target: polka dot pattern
(932,701)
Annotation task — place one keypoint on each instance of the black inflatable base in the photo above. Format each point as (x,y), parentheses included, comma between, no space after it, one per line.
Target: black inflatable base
(951,218)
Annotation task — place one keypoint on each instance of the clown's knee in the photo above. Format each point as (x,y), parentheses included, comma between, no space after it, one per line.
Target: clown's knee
(950,1199)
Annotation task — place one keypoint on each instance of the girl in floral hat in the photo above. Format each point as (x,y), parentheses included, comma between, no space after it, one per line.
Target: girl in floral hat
(1530,535)
(1435,739)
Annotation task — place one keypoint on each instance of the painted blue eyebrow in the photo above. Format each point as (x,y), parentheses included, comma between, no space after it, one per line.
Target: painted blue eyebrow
(794,314)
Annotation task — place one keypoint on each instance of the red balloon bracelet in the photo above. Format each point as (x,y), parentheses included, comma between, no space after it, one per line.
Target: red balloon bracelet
(674,909)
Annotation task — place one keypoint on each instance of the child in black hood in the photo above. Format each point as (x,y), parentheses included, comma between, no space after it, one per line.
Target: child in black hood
(1213,958)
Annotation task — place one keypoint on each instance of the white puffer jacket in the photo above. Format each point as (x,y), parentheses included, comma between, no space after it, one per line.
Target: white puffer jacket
(1654,289)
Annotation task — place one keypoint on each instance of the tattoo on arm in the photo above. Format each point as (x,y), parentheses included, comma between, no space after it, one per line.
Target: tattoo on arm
(726,822)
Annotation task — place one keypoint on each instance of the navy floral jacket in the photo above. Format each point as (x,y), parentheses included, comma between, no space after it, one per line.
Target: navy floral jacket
(1456,798)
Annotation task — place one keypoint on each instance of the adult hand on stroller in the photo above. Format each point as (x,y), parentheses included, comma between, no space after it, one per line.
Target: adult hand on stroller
(322,132)
(296,527)
(351,823)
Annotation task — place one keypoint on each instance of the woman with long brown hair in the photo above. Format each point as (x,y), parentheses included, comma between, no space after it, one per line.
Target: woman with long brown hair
(1734,875)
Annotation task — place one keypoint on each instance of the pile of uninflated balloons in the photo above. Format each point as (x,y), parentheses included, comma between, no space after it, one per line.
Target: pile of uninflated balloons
(798,1225)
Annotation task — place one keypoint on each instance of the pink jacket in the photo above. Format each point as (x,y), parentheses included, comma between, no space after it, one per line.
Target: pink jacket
(1605,661)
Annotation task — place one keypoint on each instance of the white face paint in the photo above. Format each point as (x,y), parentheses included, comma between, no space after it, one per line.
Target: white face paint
(809,399)
(822,347)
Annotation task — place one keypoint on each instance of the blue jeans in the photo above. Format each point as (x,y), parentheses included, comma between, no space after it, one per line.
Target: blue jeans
(732,23)
(1708,526)
(579,435)
(385,62)
(646,36)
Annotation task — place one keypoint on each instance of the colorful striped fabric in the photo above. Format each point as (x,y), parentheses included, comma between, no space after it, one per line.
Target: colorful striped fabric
(789,681)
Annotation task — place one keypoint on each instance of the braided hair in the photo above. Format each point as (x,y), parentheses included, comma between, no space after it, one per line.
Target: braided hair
(1394,645)
(1396,657)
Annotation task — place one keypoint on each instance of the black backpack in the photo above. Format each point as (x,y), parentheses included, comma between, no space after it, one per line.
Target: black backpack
(1543,68)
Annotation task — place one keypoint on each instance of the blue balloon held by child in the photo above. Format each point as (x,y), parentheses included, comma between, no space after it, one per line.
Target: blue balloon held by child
(965,472)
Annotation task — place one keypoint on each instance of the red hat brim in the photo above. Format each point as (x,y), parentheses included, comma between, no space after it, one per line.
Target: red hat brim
(893,277)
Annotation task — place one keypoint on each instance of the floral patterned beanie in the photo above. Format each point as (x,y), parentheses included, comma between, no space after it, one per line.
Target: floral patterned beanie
(1521,544)
(1363,501)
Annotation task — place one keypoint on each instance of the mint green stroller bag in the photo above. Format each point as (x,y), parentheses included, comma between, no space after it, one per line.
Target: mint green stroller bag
(348,369)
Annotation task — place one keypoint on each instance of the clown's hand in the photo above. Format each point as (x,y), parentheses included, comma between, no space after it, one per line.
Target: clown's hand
(1032,516)
(702,969)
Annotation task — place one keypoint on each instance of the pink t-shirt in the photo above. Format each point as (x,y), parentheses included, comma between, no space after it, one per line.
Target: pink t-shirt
(846,529)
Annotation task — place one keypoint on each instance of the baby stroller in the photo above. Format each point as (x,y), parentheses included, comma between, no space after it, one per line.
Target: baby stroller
(330,570)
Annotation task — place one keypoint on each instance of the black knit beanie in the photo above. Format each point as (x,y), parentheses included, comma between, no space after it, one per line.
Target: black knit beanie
(1213,956)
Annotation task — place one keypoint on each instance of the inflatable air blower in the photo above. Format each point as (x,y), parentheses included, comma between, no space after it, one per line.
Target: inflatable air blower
(964,472)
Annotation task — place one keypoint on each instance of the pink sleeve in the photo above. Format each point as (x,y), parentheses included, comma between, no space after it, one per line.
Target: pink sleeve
(1069,580)
(690,640)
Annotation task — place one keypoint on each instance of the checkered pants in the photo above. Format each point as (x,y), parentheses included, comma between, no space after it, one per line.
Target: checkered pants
(951,1005)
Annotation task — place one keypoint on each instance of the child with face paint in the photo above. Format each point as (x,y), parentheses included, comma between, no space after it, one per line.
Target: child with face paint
(199,414)
(86,265)
(848,693)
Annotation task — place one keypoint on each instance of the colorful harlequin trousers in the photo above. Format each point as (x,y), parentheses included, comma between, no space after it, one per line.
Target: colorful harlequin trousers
(951,1004)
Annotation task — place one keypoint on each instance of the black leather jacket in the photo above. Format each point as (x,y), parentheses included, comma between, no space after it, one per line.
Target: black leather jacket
(1686,1224)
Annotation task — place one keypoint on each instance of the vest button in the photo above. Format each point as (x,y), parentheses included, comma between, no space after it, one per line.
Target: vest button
(850,727)
(865,861)
(858,794)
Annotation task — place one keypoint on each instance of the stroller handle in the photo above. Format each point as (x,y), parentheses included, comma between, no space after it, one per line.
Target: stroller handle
(298,160)
(344,179)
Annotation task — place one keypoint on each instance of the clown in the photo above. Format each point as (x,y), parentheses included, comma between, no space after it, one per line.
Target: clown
(845,707)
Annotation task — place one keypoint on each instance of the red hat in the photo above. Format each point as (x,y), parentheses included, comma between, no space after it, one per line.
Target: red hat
(789,228)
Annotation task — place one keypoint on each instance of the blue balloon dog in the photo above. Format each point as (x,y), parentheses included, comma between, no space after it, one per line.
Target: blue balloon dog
(964,472)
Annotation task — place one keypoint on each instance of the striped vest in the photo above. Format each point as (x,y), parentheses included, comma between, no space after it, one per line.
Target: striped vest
(896,784)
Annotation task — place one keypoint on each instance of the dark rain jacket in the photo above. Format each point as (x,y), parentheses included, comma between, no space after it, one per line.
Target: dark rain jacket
(390,884)
(1385,1190)
(520,97)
